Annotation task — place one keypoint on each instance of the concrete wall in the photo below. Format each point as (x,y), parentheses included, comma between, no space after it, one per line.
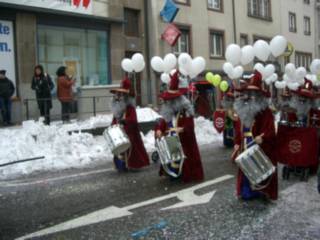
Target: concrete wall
(300,41)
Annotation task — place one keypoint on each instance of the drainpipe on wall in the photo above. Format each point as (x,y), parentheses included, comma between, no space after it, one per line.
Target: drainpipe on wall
(234,22)
(147,45)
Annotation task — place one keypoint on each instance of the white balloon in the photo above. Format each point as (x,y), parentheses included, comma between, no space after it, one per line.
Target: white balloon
(286,78)
(227,68)
(269,70)
(127,65)
(290,70)
(165,78)
(170,62)
(301,72)
(233,54)
(260,68)
(261,50)
(274,77)
(140,67)
(198,66)
(157,64)
(183,71)
(315,66)
(237,72)
(185,61)
(278,45)
(137,58)
(247,54)
(280,84)
(268,80)
(293,86)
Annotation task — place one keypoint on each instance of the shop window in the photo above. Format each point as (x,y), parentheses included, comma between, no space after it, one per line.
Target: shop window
(292,22)
(216,44)
(307,25)
(303,59)
(215,5)
(183,43)
(260,9)
(131,22)
(85,51)
(244,40)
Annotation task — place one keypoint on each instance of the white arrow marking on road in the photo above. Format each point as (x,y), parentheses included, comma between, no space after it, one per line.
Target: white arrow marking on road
(187,197)
(190,199)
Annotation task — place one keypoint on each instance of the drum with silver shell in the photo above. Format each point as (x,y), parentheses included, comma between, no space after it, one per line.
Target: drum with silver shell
(117,139)
(171,153)
(255,165)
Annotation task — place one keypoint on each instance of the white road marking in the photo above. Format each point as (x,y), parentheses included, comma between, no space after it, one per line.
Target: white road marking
(48,180)
(187,196)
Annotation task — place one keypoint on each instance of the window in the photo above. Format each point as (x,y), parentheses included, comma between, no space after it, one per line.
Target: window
(216,5)
(292,22)
(131,22)
(184,2)
(306,1)
(83,50)
(306,24)
(303,59)
(243,40)
(183,43)
(260,9)
(216,44)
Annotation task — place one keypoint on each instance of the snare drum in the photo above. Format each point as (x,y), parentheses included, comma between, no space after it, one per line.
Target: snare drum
(171,154)
(255,165)
(117,139)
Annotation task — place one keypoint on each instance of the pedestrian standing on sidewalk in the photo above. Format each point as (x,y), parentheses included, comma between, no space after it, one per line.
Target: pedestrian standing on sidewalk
(6,92)
(65,95)
(42,85)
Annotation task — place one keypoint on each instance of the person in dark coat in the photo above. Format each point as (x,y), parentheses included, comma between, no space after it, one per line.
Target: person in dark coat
(65,95)
(124,114)
(42,85)
(6,91)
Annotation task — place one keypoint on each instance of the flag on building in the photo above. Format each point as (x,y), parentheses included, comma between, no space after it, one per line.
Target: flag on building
(169,11)
(171,34)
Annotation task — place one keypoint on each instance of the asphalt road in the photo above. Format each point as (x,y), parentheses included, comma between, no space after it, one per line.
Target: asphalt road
(43,201)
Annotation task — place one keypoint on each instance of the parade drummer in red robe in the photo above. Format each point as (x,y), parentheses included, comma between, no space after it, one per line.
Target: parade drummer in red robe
(256,123)
(288,116)
(302,101)
(177,112)
(124,113)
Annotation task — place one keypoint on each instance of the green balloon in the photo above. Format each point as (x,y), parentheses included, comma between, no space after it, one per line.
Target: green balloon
(224,86)
(209,77)
(216,80)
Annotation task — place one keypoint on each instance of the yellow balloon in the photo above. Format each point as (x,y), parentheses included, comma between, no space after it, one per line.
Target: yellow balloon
(216,80)
(209,77)
(224,86)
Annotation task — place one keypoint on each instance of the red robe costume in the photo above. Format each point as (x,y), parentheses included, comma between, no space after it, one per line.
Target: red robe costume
(263,124)
(192,168)
(137,154)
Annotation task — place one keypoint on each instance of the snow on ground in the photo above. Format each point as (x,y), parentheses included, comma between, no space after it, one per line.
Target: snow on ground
(62,150)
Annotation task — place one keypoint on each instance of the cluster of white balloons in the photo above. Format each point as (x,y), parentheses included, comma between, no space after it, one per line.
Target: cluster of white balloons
(293,77)
(187,66)
(236,56)
(135,64)
(268,72)
(231,71)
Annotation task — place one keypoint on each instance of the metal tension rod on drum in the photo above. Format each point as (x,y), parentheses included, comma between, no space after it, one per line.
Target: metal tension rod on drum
(22,160)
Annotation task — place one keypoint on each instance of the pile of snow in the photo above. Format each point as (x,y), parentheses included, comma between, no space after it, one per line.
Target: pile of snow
(78,150)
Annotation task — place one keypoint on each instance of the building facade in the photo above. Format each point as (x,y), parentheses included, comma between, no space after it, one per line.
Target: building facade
(93,37)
